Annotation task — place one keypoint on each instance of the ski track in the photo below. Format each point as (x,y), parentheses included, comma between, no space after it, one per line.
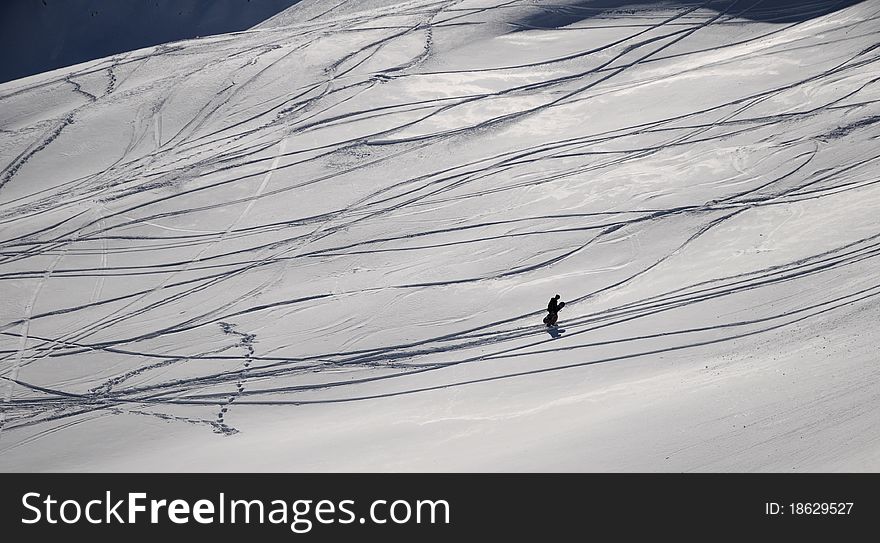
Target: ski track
(189,213)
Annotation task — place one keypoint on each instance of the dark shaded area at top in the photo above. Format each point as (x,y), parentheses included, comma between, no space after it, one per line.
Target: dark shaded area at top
(42,35)
(767,11)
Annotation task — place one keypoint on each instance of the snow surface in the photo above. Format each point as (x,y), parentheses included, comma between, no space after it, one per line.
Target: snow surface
(327,243)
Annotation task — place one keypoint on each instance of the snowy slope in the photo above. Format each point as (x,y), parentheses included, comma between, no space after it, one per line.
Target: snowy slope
(327,243)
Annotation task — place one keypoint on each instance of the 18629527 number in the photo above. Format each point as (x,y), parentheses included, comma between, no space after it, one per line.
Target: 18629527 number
(821,508)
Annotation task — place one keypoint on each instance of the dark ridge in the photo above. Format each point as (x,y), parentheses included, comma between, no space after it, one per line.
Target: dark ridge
(41,35)
(766,11)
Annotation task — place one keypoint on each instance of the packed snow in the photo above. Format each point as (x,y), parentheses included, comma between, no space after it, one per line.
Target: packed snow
(327,243)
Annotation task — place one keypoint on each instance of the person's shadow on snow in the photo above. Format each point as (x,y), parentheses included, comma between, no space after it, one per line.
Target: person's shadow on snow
(555,332)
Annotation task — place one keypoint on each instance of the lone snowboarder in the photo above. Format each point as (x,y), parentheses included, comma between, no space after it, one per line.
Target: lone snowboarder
(553,311)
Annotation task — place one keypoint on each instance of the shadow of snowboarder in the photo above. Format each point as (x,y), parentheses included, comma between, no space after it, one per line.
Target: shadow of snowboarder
(555,332)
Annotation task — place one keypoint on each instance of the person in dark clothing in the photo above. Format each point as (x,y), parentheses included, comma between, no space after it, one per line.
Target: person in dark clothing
(553,310)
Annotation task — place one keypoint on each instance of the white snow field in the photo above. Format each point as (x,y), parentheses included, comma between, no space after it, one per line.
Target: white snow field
(327,243)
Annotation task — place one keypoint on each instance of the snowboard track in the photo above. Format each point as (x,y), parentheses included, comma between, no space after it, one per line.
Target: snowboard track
(197,286)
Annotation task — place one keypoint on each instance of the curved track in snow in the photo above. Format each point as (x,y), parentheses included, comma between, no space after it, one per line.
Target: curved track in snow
(363,209)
